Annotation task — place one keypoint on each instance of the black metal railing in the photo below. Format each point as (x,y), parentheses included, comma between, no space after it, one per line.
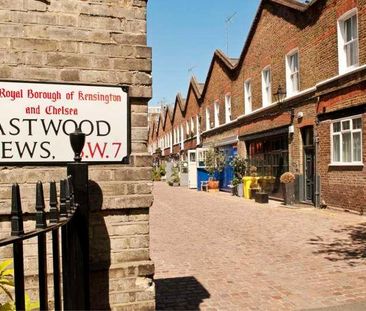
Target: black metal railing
(69,215)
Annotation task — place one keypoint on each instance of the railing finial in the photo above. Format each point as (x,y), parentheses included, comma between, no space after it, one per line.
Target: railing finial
(63,210)
(68,202)
(40,207)
(16,212)
(54,215)
(77,141)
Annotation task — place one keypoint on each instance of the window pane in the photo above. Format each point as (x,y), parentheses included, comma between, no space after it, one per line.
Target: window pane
(351,53)
(336,148)
(294,62)
(348,29)
(346,147)
(354,27)
(295,82)
(267,78)
(345,125)
(192,157)
(336,127)
(356,123)
(357,146)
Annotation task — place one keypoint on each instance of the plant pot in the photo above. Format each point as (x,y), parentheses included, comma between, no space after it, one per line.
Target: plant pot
(252,192)
(288,191)
(213,185)
(176,184)
(240,191)
(261,197)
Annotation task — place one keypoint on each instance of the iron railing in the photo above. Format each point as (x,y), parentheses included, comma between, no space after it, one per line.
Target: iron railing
(71,218)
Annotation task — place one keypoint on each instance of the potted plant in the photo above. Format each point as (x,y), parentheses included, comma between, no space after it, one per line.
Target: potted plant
(156,174)
(215,162)
(235,186)
(288,187)
(239,166)
(175,180)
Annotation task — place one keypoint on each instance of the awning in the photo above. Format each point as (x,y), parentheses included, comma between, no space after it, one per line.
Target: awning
(264,134)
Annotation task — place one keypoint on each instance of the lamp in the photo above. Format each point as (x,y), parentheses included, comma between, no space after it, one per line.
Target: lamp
(280,95)
(77,141)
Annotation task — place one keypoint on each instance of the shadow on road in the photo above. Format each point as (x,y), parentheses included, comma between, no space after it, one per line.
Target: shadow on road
(184,293)
(350,248)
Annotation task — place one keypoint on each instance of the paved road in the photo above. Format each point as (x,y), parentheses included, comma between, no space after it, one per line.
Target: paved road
(213,251)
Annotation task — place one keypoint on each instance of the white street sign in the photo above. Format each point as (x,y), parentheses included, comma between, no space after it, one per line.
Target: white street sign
(36,119)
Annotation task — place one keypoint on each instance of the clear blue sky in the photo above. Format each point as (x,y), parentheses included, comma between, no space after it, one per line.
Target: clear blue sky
(185,34)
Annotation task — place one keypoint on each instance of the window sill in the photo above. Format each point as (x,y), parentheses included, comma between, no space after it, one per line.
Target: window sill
(346,164)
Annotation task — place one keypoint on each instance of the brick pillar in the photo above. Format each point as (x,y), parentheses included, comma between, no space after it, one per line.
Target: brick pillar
(101,42)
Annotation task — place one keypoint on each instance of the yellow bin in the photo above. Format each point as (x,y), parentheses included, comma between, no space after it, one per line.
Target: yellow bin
(247,180)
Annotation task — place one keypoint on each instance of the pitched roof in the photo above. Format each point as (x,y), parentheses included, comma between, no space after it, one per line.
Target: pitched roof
(233,64)
(179,102)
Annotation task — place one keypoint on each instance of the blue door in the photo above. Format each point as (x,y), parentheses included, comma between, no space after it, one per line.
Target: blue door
(227,174)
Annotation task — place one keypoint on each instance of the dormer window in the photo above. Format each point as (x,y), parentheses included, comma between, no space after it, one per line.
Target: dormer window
(348,41)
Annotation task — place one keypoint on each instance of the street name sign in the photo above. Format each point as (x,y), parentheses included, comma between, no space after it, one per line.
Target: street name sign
(36,119)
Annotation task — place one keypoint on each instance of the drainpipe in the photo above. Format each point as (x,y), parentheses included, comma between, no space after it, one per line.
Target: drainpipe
(317,177)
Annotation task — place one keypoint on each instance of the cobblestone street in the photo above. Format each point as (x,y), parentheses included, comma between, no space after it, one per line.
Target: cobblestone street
(213,251)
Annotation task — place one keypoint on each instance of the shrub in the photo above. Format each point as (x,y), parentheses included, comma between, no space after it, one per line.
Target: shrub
(162,170)
(239,165)
(175,176)
(215,161)
(6,284)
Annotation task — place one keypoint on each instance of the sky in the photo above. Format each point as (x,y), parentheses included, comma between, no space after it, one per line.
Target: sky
(184,35)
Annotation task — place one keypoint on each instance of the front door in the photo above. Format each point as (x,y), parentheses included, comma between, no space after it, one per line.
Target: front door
(309,173)
(192,169)
(227,174)
(309,163)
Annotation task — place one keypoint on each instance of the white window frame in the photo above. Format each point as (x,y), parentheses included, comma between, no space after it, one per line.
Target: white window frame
(248,108)
(198,126)
(188,131)
(201,157)
(208,125)
(292,89)
(266,87)
(342,45)
(182,136)
(192,126)
(216,114)
(351,130)
(227,108)
(171,141)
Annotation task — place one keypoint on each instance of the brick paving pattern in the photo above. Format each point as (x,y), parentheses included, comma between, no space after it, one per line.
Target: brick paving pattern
(213,251)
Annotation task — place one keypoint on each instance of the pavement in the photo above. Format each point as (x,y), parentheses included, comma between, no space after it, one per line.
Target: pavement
(213,251)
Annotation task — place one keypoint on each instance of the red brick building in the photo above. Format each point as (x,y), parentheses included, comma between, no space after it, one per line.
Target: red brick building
(316,128)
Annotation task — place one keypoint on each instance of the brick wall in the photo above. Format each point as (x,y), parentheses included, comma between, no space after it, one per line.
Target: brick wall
(278,30)
(91,42)
(342,187)
(217,86)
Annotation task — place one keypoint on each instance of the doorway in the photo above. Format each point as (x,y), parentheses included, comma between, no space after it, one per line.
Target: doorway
(192,169)
(309,164)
